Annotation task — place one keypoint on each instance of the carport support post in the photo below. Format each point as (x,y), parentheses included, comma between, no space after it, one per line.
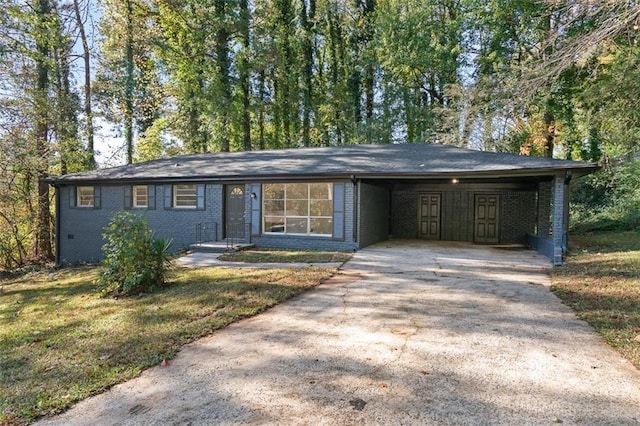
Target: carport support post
(560,224)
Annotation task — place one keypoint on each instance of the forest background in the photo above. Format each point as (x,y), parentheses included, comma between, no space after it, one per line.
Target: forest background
(534,77)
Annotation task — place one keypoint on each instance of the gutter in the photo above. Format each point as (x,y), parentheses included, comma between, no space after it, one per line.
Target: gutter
(496,174)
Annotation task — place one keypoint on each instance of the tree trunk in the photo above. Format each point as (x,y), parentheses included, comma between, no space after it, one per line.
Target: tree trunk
(262,96)
(307,18)
(243,65)
(369,68)
(223,64)
(286,96)
(129,83)
(86,57)
(41,131)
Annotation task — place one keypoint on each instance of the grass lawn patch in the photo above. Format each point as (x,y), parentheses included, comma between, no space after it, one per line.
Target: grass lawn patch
(601,282)
(285,256)
(60,342)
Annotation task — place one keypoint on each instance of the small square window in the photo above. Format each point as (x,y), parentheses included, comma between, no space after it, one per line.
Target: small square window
(140,196)
(185,196)
(85,196)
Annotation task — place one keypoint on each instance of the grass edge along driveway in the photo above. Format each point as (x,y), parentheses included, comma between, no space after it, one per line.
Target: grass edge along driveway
(61,342)
(601,283)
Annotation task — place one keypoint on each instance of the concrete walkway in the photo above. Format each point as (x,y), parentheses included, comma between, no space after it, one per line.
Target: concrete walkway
(408,334)
(204,260)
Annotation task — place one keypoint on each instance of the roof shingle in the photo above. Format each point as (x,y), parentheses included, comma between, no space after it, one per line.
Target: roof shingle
(363,161)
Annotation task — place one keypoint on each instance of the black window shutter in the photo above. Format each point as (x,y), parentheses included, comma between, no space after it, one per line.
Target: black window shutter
(151,193)
(128,199)
(97,199)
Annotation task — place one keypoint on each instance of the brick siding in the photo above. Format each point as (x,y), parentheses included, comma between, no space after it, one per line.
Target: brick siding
(374,214)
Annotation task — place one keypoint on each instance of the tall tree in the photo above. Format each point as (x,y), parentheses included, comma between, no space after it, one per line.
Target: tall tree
(223,67)
(244,68)
(43,20)
(127,85)
(86,59)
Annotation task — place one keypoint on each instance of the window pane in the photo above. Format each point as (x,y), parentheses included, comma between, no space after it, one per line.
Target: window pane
(85,196)
(297,225)
(140,196)
(185,196)
(274,224)
(274,191)
(297,208)
(297,191)
(322,226)
(274,208)
(320,191)
(321,208)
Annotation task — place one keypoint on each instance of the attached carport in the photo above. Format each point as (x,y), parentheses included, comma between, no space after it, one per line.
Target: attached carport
(529,207)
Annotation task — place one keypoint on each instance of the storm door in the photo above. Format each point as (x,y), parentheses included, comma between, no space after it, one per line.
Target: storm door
(487,218)
(234,212)
(429,219)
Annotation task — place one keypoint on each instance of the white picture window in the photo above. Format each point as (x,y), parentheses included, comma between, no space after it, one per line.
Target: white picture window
(85,196)
(140,195)
(298,208)
(185,196)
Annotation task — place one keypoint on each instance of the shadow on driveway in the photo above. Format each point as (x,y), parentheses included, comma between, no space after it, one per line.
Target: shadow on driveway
(408,333)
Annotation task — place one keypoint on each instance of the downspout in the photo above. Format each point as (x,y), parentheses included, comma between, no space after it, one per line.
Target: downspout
(356,216)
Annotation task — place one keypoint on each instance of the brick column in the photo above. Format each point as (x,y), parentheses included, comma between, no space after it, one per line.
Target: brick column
(560,219)
(544,209)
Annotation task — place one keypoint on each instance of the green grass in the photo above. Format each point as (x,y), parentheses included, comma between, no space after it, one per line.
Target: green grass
(601,282)
(285,256)
(60,342)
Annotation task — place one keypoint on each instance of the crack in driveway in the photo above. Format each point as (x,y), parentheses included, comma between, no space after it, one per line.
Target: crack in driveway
(479,347)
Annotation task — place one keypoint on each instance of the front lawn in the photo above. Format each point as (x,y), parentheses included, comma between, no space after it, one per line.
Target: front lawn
(601,282)
(60,342)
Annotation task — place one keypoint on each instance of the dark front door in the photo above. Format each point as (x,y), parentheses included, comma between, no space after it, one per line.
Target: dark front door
(234,212)
(487,218)
(429,216)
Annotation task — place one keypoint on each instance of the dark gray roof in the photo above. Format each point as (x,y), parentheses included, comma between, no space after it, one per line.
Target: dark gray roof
(361,161)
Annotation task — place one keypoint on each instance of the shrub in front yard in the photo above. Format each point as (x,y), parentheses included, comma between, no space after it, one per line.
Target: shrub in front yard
(135,261)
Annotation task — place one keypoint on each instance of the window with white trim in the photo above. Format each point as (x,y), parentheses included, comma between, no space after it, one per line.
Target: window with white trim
(298,208)
(140,195)
(185,196)
(85,196)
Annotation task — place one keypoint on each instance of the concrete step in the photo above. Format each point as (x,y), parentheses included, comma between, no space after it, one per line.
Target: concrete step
(218,247)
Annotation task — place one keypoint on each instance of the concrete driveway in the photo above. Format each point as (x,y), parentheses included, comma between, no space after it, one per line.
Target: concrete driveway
(409,333)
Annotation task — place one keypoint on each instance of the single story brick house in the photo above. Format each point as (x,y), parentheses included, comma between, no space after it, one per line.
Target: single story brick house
(331,198)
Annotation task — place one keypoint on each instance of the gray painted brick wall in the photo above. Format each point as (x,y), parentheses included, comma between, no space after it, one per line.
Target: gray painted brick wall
(545,190)
(374,214)
(518,216)
(404,214)
(558,236)
(80,233)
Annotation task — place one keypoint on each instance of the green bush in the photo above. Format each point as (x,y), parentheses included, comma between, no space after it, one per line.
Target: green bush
(135,262)
(607,200)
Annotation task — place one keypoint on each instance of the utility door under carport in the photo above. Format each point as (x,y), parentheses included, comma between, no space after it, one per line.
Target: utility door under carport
(459,216)
(429,216)
(487,218)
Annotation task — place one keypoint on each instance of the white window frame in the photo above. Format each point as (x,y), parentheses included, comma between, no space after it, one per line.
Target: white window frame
(308,217)
(85,197)
(177,195)
(134,195)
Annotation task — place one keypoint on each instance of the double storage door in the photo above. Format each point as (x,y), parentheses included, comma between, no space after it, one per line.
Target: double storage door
(481,225)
